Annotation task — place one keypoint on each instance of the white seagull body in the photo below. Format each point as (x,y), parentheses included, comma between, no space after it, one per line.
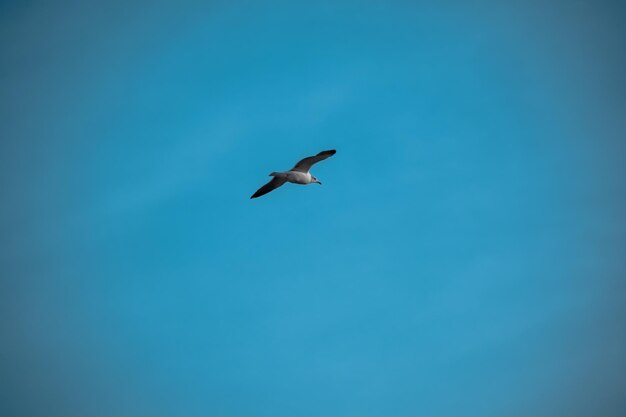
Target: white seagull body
(299,174)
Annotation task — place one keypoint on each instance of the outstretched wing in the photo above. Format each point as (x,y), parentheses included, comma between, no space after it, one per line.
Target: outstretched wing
(273,184)
(306,164)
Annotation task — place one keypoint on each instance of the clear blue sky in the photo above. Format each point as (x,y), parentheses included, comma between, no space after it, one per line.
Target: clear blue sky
(464,257)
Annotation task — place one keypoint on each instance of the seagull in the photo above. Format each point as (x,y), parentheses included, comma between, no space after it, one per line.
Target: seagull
(299,174)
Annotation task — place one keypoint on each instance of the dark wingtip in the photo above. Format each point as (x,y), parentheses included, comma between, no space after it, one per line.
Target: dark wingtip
(330,152)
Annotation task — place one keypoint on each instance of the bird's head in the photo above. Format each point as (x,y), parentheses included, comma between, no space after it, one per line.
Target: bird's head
(315,180)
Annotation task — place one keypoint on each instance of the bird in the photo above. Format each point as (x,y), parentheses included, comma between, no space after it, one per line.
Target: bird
(299,174)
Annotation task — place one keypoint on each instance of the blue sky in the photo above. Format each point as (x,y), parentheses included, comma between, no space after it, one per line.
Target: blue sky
(464,257)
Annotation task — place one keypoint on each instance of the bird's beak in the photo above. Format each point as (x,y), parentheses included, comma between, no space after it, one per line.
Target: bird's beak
(319,183)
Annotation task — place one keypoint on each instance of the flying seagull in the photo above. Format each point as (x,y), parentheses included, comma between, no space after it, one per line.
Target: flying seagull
(299,174)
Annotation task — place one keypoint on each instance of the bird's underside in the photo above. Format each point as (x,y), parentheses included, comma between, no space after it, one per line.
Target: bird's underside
(299,174)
